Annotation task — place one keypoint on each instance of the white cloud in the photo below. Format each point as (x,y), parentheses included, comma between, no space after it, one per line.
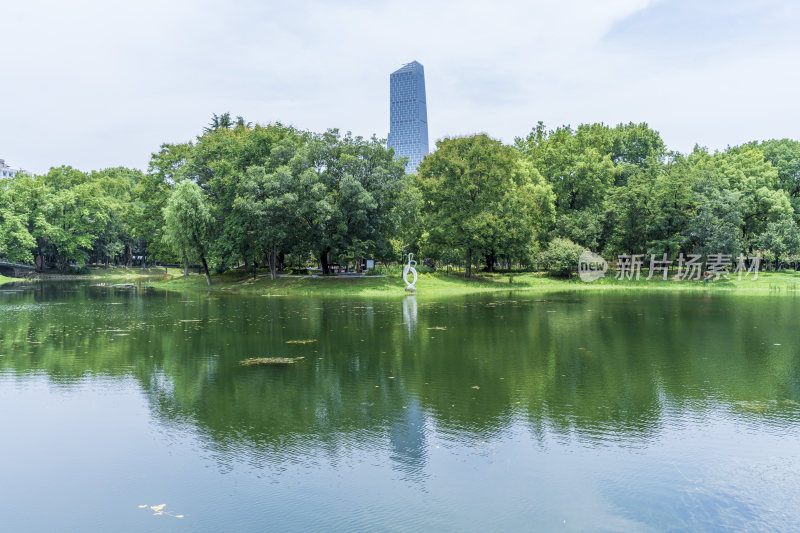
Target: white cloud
(95,84)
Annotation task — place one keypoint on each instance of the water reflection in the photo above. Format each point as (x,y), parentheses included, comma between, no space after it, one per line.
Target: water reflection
(408,442)
(410,313)
(567,375)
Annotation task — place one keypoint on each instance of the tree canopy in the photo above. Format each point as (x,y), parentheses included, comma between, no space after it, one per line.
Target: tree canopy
(241,195)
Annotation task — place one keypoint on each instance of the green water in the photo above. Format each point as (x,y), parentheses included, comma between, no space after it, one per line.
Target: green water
(558,411)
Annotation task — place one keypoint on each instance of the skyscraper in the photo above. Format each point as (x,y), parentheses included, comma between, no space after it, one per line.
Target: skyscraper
(408,114)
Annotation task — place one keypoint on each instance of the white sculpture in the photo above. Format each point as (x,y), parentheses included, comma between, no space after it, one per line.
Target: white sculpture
(410,268)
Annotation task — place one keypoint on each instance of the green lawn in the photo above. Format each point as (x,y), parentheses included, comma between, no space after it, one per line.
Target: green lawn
(442,284)
(111,274)
(432,284)
(129,273)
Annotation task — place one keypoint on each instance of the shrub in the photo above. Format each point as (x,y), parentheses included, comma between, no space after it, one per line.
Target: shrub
(561,257)
(82,269)
(397,270)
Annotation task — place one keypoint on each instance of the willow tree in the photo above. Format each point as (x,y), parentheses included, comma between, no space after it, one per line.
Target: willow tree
(188,224)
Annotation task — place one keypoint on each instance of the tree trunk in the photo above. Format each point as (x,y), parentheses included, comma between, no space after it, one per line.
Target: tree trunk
(185,264)
(205,267)
(490,260)
(273,263)
(468,272)
(323,261)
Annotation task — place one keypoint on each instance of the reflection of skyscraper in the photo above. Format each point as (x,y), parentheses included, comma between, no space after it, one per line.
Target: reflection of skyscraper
(408,114)
(407,436)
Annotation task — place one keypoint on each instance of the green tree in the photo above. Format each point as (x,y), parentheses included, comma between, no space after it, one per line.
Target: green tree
(75,212)
(219,122)
(16,242)
(188,223)
(151,194)
(267,204)
(784,155)
(651,212)
(345,196)
(782,239)
(561,257)
(584,166)
(479,198)
(219,162)
(743,180)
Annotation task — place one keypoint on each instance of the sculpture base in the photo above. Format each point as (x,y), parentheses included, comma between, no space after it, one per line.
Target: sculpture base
(410,289)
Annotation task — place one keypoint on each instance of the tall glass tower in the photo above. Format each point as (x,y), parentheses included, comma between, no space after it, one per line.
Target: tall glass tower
(408,114)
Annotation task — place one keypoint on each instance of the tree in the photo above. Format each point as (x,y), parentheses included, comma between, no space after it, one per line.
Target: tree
(478,199)
(584,166)
(561,257)
(782,239)
(16,242)
(188,223)
(242,123)
(75,211)
(118,239)
(267,203)
(651,212)
(784,155)
(219,122)
(151,194)
(218,162)
(349,190)
(737,184)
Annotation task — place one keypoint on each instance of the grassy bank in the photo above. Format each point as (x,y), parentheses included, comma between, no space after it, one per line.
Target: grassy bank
(106,275)
(130,273)
(443,284)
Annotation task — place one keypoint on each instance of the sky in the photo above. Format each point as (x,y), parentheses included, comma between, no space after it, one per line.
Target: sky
(99,83)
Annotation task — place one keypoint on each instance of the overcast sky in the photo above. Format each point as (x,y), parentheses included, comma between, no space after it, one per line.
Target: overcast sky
(98,83)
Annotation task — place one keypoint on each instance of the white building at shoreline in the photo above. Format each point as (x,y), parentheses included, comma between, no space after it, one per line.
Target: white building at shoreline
(6,171)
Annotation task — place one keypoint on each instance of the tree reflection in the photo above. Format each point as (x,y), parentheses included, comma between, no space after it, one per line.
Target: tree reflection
(599,369)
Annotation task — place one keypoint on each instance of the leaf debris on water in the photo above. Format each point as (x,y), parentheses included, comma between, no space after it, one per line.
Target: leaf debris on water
(158,510)
(255,361)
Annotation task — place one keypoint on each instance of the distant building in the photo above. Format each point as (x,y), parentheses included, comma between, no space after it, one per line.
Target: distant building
(408,114)
(6,171)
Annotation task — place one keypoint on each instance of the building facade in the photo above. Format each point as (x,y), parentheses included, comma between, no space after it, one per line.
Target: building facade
(6,171)
(408,114)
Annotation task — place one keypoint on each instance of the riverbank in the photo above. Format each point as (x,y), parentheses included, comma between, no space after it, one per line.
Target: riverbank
(443,284)
(101,274)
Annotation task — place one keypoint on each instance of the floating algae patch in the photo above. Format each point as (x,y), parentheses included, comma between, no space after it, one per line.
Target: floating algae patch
(302,341)
(258,361)
(753,407)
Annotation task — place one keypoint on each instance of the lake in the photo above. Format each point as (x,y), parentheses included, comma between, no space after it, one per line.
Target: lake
(585,411)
